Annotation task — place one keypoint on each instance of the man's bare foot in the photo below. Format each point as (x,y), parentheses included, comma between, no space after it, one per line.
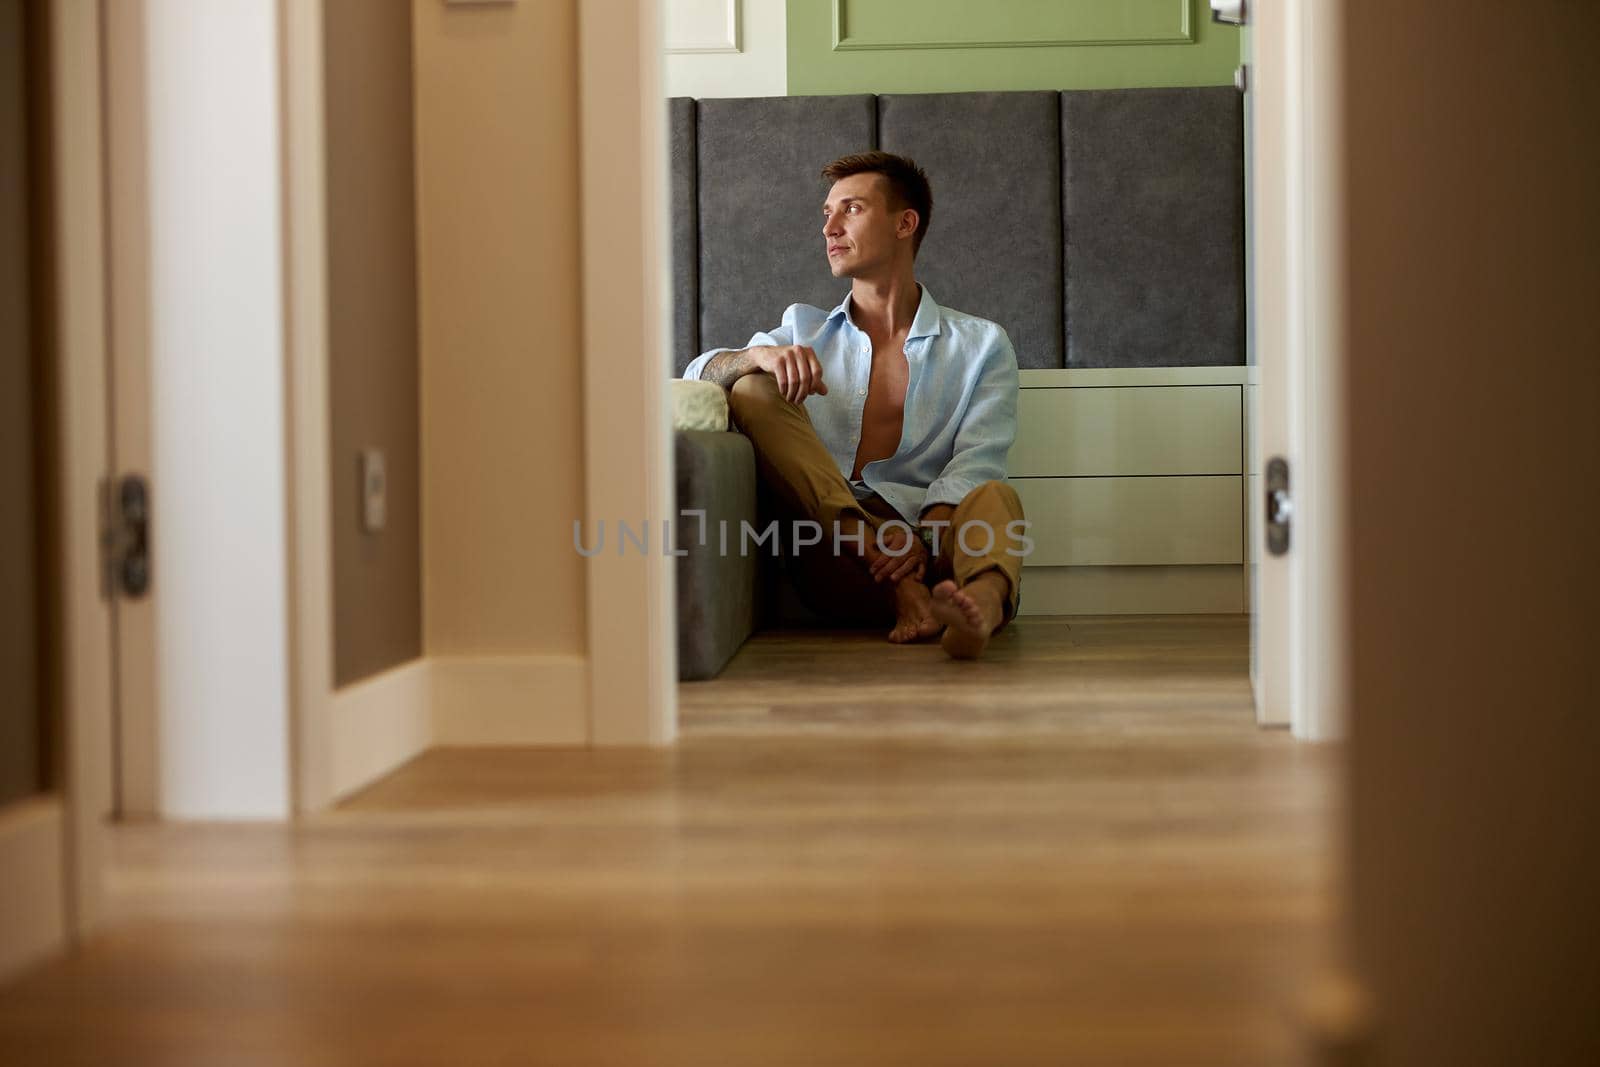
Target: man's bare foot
(913,610)
(969,613)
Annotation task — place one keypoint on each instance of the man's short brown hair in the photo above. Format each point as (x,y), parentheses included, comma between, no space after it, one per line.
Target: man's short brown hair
(908,185)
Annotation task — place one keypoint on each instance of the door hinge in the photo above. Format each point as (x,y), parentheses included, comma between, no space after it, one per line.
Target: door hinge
(1280,506)
(1231,12)
(125,536)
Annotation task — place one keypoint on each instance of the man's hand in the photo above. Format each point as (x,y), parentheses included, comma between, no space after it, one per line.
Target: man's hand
(796,367)
(907,562)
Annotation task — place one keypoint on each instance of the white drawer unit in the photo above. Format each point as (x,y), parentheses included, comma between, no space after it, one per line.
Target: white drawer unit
(1134,522)
(1098,432)
(1133,483)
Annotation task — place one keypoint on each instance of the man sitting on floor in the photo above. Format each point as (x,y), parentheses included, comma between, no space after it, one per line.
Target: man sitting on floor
(888,413)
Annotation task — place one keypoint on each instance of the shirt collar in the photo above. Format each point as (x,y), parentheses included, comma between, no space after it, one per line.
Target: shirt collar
(925,323)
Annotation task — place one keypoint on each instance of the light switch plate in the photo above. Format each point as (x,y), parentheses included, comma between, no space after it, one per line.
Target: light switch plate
(374,490)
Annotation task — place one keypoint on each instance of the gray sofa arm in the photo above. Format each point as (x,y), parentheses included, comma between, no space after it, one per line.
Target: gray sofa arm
(716,474)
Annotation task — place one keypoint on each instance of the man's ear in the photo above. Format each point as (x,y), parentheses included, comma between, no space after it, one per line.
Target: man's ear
(908,223)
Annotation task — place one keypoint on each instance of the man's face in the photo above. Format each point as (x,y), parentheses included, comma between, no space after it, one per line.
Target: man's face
(858,225)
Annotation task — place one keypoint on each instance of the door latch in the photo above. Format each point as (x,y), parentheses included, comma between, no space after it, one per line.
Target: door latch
(125,536)
(1280,506)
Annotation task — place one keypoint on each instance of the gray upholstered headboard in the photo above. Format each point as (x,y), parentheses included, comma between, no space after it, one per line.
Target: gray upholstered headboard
(1101,228)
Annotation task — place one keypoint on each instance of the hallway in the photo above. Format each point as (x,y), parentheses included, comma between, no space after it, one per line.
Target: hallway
(1081,850)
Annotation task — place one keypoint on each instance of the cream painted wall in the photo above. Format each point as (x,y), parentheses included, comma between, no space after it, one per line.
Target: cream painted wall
(760,68)
(499,326)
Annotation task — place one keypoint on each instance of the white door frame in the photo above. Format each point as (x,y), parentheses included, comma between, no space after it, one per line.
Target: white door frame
(1271,160)
(1296,253)
(1319,589)
(305,299)
(83,448)
(136,732)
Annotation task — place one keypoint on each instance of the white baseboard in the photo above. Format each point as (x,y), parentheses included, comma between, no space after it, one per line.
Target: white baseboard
(380,723)
(1192,590)
(510,700)
(33,920)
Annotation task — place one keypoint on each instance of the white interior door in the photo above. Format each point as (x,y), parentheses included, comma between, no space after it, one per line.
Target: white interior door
(51,833)
(32,837)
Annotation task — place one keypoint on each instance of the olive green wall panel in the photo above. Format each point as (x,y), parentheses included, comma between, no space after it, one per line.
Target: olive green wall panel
(924,46)
(877,24)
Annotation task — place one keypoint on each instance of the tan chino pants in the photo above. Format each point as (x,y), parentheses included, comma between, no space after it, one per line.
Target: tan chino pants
(795,465)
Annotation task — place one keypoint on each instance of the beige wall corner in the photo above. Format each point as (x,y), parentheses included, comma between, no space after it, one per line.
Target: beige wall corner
(498,311)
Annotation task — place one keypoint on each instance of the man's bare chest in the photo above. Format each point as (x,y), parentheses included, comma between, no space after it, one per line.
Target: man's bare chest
(887,381)
(883,413)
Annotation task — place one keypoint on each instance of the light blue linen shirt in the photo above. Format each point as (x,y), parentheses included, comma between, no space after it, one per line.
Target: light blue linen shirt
(961,399)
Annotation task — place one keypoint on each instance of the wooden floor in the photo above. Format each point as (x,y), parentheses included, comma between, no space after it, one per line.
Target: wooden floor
(1079,851)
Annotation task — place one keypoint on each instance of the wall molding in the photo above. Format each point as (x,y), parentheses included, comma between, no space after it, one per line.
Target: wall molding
(1179,12)
(33,922)
(378,724)
(727,39)
(759,66)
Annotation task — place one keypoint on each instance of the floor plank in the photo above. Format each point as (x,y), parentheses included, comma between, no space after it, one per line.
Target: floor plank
(1080,850)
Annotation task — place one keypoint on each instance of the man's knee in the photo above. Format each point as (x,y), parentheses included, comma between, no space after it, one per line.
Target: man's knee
(995,491)
(751,395)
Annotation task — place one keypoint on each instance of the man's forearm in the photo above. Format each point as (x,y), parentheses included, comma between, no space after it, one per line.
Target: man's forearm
(725,368)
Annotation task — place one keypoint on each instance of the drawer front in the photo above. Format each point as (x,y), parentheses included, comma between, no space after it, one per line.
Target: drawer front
(1166,430)
(1077,522)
